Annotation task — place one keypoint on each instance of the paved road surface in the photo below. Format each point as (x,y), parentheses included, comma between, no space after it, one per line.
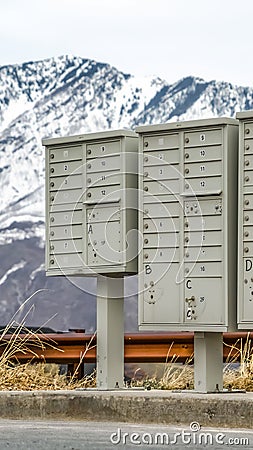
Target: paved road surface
(26,435)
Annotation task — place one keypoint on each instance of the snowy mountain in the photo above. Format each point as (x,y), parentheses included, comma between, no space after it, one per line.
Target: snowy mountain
(65,96)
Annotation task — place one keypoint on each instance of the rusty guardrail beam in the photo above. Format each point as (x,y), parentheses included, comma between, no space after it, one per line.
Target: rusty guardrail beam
(68,348)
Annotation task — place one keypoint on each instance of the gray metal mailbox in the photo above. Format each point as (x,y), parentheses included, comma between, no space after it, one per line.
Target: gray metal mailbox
(91,204)
(188,217)
(245,225)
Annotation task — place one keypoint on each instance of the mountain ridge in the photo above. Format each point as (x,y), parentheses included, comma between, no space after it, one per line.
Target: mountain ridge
(63,96)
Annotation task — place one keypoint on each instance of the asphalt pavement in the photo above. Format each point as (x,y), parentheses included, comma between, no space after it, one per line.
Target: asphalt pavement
(80,435)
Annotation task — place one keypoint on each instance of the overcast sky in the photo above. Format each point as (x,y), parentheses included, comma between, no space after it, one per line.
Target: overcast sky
(212,39)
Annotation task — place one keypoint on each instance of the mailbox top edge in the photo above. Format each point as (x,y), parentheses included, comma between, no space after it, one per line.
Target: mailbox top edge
(245,114)
(89,137)
(169,126)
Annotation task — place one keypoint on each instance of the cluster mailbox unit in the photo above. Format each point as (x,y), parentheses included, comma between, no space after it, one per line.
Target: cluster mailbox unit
(91,204)
(245,231)
(188,217)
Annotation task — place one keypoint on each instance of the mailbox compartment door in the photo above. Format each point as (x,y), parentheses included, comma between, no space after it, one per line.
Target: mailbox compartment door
(204,303)
(161,157)
(247,304)
(104,243)
(66,154)
(101,149)
(161,297)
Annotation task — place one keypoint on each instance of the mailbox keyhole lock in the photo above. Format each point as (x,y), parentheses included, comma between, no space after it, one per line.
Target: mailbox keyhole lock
(189,300)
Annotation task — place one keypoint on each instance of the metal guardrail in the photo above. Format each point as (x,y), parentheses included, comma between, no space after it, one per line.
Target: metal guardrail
(69,348)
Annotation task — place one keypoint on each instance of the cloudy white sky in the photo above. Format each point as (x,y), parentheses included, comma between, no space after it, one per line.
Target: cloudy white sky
(211,39)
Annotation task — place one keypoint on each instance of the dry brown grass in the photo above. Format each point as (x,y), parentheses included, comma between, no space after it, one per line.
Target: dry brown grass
(42,376)
(175,376)
(238,373)
(33,376)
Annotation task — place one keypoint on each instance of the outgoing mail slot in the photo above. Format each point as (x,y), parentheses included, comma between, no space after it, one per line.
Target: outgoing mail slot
(165,172)
(66,246)
(161,157)
(203,154)
(159,225)
(203,269)
(203,238)
(102,164)
(102,194)
(248,218)
(203,207)
(69,182)
(65,168)
(163,187)
(203,186)
(103,178)
(248,130)
(157,255)
(248,178)
(102,149)
(248,233)
(248,249)
(203,223)
(203,138)
(248,201)
(158,240)
(213,253)
(104,214)
(65,153)
(66,232)
(169,209)
(65,217)
(203,169)
(68,196)
(163,141)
